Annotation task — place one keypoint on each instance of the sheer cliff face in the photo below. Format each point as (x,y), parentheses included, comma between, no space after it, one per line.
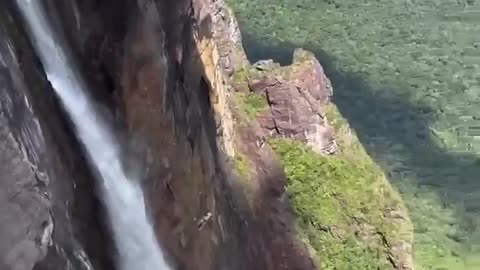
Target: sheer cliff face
(160,67)
(47,198)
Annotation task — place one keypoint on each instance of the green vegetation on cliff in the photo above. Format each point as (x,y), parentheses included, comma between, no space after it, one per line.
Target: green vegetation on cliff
(251,104)
(342,202)
(405,75)
(241,166)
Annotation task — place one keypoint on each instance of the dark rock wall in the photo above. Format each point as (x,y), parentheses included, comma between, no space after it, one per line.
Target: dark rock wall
(47,197)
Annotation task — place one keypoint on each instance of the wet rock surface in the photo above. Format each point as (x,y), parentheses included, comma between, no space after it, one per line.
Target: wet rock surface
(48,208)
(26,225)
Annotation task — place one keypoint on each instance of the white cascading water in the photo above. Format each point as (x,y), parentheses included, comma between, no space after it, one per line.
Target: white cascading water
(123,197)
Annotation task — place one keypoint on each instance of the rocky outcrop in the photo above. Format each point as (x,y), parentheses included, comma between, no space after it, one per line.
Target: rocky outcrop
(298,109)
(228,38)
(296,96)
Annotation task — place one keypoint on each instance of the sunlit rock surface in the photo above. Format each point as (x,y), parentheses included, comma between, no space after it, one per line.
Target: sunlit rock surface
(296,96)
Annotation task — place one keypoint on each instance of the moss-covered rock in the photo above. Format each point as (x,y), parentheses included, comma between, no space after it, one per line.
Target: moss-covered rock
(408,90)
(241,166)
(347,211)
(249,105)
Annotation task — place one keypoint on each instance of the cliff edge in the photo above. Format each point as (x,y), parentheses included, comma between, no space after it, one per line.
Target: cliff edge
(346,211)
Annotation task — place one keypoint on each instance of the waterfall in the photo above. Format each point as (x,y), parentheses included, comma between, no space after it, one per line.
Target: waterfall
(138,248)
